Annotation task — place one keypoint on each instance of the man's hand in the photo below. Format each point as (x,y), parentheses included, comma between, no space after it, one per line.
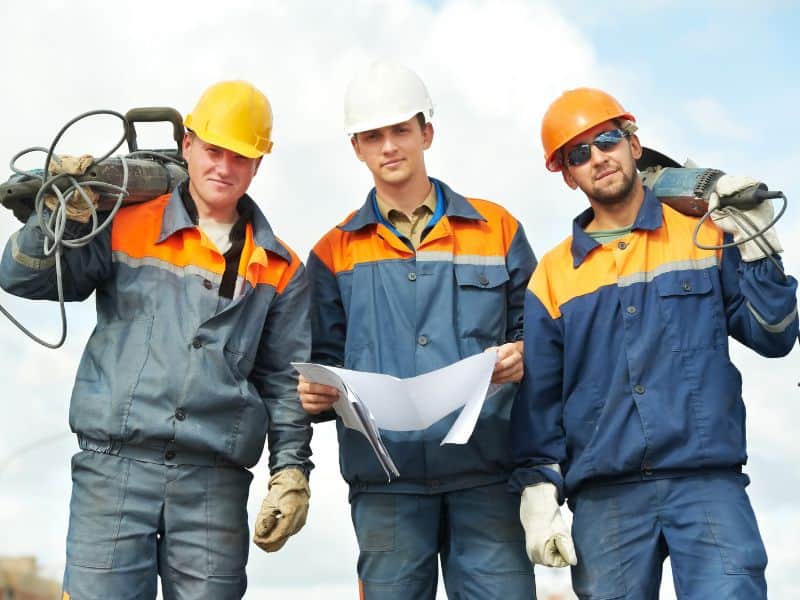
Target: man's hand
(547,539)
(316,397)
(284,510)
(509,366)
(744,223)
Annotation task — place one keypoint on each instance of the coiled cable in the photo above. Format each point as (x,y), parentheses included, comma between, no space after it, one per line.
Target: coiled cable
(54,223)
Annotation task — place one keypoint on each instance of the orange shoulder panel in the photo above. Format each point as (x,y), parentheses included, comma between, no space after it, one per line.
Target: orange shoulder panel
(341,250)
(491,237)
(136,230)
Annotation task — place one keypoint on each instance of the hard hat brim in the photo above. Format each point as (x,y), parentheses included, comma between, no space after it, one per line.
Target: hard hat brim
(382,122)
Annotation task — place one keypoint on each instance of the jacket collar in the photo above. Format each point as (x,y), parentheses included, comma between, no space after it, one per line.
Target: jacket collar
(176,218)
(456,206)
(649,218)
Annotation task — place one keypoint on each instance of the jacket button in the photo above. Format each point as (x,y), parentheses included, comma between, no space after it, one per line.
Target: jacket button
(412,276)
(622,245)
(207,284)
(484,280)
(687,287)
(169,454)
(422,340)
(631,310)
(180,414)
(196,343)
(638,388)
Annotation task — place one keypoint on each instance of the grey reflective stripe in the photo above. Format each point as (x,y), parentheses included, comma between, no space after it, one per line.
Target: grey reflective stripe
(34,263)
(149,261)
(461,259)
(778,327)
(679,265)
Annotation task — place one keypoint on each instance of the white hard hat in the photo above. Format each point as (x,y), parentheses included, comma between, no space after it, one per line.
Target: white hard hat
(384,94)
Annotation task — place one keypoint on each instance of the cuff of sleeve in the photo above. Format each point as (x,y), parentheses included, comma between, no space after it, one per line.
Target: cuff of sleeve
(522,478)
(328,415)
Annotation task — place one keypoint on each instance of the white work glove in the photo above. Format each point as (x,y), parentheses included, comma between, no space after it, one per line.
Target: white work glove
(283,512)
(732,220)
(547,539)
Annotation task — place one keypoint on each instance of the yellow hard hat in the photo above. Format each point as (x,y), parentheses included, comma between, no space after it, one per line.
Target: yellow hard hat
(233,115)
(572,113)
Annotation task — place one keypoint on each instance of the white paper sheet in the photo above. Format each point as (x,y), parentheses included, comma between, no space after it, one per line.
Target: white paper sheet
(417,402)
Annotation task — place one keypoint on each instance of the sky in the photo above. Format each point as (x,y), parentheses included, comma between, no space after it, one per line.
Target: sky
(715,82)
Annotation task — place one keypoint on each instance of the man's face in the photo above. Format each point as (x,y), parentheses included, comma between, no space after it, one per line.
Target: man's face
(394,154)
(217,176)
(608,177)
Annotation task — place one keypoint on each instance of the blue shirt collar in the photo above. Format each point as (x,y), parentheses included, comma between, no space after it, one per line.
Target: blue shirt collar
(649,218)
(448,203)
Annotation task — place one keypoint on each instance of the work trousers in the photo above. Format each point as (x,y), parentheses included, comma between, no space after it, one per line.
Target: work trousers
(131,521)
(704,523)
(476,532)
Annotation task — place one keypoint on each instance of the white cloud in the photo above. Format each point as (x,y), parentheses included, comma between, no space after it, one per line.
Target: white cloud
(709,116)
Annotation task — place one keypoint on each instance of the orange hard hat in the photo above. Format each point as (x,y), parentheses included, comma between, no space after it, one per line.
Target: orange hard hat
(572,113)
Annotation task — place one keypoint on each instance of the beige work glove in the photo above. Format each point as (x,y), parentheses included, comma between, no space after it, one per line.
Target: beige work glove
(730,219)
(284,510)
(77,207)
(547,539)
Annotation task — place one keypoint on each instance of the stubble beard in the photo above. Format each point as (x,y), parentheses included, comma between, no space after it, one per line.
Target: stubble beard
(616,194)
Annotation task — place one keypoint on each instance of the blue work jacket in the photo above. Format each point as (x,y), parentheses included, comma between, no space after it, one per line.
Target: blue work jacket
(380,306)
(173,372)
(627,371)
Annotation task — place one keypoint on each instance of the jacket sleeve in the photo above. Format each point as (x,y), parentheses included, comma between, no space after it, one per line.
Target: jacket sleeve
(537,432)
(760,303)
(328,321)
(520,263)
(286,338)
(26,271)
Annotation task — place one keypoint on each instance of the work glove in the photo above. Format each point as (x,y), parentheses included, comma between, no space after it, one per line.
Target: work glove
(547,539)
(77,207)
(284,510)
(735,221)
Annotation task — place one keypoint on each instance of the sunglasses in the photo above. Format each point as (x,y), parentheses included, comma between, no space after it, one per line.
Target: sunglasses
(606,141)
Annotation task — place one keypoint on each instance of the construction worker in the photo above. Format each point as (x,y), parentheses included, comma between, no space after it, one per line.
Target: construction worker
(200,309)
(418,278)
(630,406)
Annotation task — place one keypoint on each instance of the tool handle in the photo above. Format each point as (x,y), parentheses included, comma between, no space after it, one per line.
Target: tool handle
(749,197)
(153,114)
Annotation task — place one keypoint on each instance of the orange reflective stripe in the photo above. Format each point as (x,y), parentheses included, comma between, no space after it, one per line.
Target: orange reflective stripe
(137,228)
(554,281)
(360,590)
(285,271)
(492,237)
(340,250)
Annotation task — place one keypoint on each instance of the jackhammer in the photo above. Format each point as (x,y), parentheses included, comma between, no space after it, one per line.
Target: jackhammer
(104,185)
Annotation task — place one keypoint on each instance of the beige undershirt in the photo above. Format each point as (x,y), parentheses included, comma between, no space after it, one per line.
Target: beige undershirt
(219,233)
(412,227)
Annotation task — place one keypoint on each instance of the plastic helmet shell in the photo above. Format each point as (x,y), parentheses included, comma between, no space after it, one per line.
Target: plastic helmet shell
(572,113)
(234,115)
(384,94)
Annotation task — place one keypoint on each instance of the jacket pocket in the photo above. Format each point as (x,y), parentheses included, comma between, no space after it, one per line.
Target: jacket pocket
(482,303)
(691,308)
(107,377)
